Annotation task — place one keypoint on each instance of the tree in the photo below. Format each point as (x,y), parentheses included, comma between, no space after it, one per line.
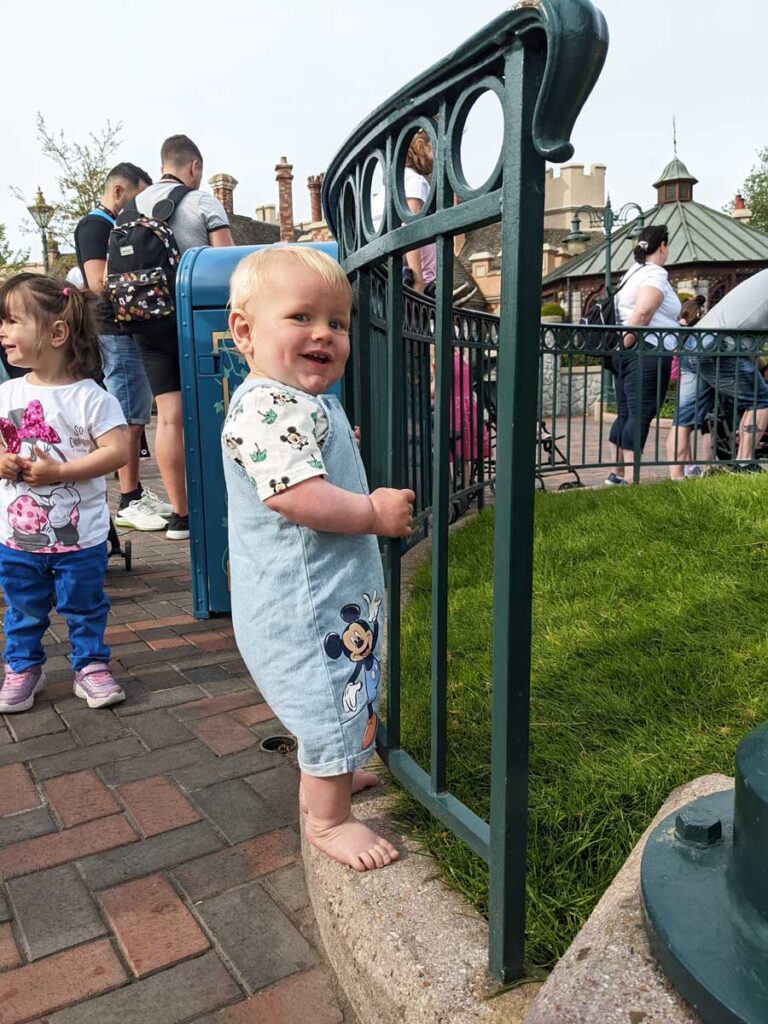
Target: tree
(82,167)
(10,262)
(755,192)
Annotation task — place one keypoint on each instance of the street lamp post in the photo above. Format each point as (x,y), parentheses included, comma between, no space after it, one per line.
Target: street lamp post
(42,214)
(606,219)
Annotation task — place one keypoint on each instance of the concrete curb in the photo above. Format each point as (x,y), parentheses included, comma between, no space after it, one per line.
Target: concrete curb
(609,975)
(404,948)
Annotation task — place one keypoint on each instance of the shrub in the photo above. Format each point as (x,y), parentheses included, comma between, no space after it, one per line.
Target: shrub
(552,309)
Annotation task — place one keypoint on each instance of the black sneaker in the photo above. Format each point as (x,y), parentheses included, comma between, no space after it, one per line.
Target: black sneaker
(178,527)
(746,467)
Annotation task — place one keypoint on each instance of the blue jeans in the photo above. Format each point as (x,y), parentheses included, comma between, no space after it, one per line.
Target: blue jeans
(734,379)
(30,581)
(125,377)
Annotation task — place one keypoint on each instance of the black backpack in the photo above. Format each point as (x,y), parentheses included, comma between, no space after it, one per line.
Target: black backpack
(603,312)
(142,259)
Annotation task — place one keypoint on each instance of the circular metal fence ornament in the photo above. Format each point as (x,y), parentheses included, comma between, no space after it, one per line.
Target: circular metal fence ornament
(456,128)
(401,151)
(374,160)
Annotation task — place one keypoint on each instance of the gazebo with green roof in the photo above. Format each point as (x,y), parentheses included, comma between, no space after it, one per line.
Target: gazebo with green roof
(709,251)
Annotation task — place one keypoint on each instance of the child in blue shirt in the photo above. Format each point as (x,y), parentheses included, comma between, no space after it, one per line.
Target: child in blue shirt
(306,575)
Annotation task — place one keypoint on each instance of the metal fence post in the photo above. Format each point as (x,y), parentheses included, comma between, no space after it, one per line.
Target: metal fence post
(541,60)
(513,543)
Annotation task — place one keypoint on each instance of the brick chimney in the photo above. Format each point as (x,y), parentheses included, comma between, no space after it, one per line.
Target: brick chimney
(284,179)
(315,186)
(740,211)
(223,186)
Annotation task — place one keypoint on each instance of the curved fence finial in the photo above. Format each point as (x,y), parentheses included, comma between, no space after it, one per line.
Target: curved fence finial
(577,44)
(574,36)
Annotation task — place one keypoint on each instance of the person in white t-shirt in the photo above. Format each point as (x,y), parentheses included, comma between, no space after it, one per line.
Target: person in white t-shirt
(648,300)
(422,262)
(61,434)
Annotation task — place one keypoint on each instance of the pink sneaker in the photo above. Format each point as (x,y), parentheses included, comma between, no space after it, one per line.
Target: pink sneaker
(97,686)
(19,688)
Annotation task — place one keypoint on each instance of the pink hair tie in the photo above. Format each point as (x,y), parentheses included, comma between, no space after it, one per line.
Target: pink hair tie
(67,292)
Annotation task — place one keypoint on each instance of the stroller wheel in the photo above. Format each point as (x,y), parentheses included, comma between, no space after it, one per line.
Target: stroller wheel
(127,555)
(453,512)
(458,507)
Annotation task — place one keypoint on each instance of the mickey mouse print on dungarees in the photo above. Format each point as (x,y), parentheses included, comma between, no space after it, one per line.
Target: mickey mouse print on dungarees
(59,423)
(306,605)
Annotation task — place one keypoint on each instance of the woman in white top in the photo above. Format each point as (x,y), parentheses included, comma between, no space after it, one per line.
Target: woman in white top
(419,265)
(646,299)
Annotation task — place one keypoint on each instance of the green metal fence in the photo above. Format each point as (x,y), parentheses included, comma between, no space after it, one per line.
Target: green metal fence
(700,418)
(713,416)
(540,60)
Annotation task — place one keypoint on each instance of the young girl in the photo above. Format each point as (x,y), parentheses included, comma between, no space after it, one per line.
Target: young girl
(61,433)
(694,403)
(306,576)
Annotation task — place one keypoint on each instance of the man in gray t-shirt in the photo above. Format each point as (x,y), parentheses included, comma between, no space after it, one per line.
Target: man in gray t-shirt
(198,216)
(744,308)
(199,219)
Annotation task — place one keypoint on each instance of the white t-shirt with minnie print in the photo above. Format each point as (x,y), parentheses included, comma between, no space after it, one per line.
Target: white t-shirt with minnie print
(64,422)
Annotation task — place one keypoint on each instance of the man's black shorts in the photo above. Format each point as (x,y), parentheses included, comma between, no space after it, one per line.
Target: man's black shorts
(160,355)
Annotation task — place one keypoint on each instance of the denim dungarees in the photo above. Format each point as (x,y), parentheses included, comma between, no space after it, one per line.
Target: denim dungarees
(307,608)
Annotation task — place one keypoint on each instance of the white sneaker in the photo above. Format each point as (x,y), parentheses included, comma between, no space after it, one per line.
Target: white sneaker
(139,515)
(612,480)
(156,504)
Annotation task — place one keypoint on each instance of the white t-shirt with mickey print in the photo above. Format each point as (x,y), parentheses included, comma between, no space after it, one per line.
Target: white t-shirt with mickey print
(277,437)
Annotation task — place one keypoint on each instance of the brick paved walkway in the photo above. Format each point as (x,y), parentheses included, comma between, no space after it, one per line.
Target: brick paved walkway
(149,854)
(583,441)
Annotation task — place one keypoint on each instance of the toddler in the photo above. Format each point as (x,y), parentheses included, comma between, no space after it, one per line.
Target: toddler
(60,434)
(306,576)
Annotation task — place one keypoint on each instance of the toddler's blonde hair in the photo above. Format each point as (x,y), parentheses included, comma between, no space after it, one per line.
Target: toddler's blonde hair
(252,273)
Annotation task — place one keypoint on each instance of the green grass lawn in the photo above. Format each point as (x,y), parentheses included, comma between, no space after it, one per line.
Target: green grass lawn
(649,664)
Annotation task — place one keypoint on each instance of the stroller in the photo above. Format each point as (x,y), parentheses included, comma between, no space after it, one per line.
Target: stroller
(551,460)
(723,427)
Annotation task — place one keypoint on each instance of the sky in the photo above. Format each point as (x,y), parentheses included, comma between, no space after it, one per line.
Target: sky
(253,80)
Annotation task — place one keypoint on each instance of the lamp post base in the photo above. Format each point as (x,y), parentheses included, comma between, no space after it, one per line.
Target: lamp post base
(704,902)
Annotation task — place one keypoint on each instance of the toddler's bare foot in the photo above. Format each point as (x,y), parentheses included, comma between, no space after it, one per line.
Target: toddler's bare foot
(352,843)
(361,779)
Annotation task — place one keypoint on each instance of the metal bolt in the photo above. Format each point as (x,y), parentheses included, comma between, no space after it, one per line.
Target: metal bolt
(697,826)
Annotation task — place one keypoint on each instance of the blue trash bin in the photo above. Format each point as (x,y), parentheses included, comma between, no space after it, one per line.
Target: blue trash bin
(211,369)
